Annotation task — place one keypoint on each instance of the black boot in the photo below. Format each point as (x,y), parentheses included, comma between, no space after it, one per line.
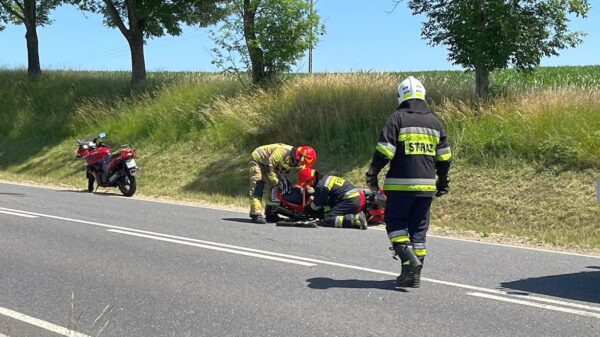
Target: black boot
(416,282)
(410,264)
(258,219)
(271,215)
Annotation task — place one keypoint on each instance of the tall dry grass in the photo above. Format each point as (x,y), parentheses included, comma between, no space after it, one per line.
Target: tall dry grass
(525,163)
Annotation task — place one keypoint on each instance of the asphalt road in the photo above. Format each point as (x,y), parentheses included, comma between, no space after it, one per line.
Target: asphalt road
(79,264)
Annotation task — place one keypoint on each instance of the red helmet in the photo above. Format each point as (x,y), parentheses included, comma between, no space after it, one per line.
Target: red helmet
(307,177)
(306,155)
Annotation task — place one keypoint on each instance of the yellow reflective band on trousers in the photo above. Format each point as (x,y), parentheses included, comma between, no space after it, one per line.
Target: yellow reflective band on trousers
(383,149)
(339,221)
(409,188)
(400,239)
(420,252)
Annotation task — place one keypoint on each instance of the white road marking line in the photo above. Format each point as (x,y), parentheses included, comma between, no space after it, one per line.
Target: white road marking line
(227,250)
(537,305)
(40,323)
(508,293)
(503,245)
(549,300)
(18,214)
(158,234)
(240,212)
(213,244)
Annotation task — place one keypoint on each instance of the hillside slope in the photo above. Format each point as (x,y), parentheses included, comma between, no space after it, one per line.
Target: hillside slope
(525,165)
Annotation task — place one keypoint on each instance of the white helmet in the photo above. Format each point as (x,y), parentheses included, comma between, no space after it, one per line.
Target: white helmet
(410,88)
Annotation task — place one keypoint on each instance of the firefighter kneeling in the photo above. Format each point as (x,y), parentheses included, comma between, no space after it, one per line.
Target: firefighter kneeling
(344,200)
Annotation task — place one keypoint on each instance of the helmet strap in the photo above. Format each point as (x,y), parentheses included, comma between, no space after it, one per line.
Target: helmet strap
(293,154)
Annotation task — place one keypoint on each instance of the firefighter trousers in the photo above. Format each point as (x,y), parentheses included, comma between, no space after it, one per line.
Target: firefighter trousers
(342,214)
(407,219)
(259,183)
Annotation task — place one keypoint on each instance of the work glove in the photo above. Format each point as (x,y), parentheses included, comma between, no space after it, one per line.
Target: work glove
(442,186)
(314,213)
(284,186)
(371,180)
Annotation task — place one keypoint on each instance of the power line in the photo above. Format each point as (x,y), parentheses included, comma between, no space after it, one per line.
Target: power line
(102,58)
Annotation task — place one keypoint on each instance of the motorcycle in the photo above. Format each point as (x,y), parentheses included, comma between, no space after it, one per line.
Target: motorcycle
(294,204)
(106,168)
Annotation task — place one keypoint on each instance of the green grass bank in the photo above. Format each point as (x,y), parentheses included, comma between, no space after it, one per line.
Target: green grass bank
(526,164)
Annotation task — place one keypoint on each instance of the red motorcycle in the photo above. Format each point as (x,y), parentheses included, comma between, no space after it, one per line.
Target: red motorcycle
(106,168)
(295,204)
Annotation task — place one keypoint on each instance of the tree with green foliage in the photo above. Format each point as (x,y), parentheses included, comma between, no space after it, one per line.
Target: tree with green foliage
(31,14)
(485,35)
(139,20)
(267,36)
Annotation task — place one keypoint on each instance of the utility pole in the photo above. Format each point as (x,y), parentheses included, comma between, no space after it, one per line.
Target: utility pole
(310,48)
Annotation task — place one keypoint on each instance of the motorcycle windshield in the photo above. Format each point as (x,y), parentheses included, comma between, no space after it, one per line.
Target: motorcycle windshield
(91,137)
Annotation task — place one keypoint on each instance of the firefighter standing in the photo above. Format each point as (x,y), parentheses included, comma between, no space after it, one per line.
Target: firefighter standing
(415,144)
(344,200)
(267,162)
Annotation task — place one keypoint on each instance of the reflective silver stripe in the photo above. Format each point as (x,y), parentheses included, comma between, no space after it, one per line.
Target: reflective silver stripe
(327,181)
(395,234)
(388,146)
(352,191)
(409,181)
(440,152)
(419,245)
(424,131)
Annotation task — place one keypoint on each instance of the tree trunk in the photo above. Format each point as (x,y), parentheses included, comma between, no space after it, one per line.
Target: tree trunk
(255,53)
(482,82)
(138,64)
(34,70)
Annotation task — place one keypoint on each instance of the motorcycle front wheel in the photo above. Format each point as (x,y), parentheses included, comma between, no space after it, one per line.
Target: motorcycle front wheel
(127,186)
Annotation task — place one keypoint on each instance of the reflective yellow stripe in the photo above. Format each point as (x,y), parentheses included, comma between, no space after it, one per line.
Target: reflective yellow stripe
(339,221)
(385,151)
(419,137)
(353,195)
(410,188)
(335,181)
(421,252)
(444,157)
(416,95)
(419,143)
(400,239)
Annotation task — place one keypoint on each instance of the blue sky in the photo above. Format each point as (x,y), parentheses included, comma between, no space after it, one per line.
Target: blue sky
(361,36)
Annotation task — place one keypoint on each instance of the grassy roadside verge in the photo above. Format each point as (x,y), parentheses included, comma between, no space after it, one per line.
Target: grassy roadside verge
(526,166)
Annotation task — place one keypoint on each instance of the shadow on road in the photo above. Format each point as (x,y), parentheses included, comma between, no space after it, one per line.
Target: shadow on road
(103,194)
(245,220)
(13,194)
(73,191)
(583,286)
(326,283)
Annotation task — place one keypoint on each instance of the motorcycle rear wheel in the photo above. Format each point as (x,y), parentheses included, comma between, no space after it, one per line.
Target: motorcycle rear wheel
(128,185)
(91,180)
